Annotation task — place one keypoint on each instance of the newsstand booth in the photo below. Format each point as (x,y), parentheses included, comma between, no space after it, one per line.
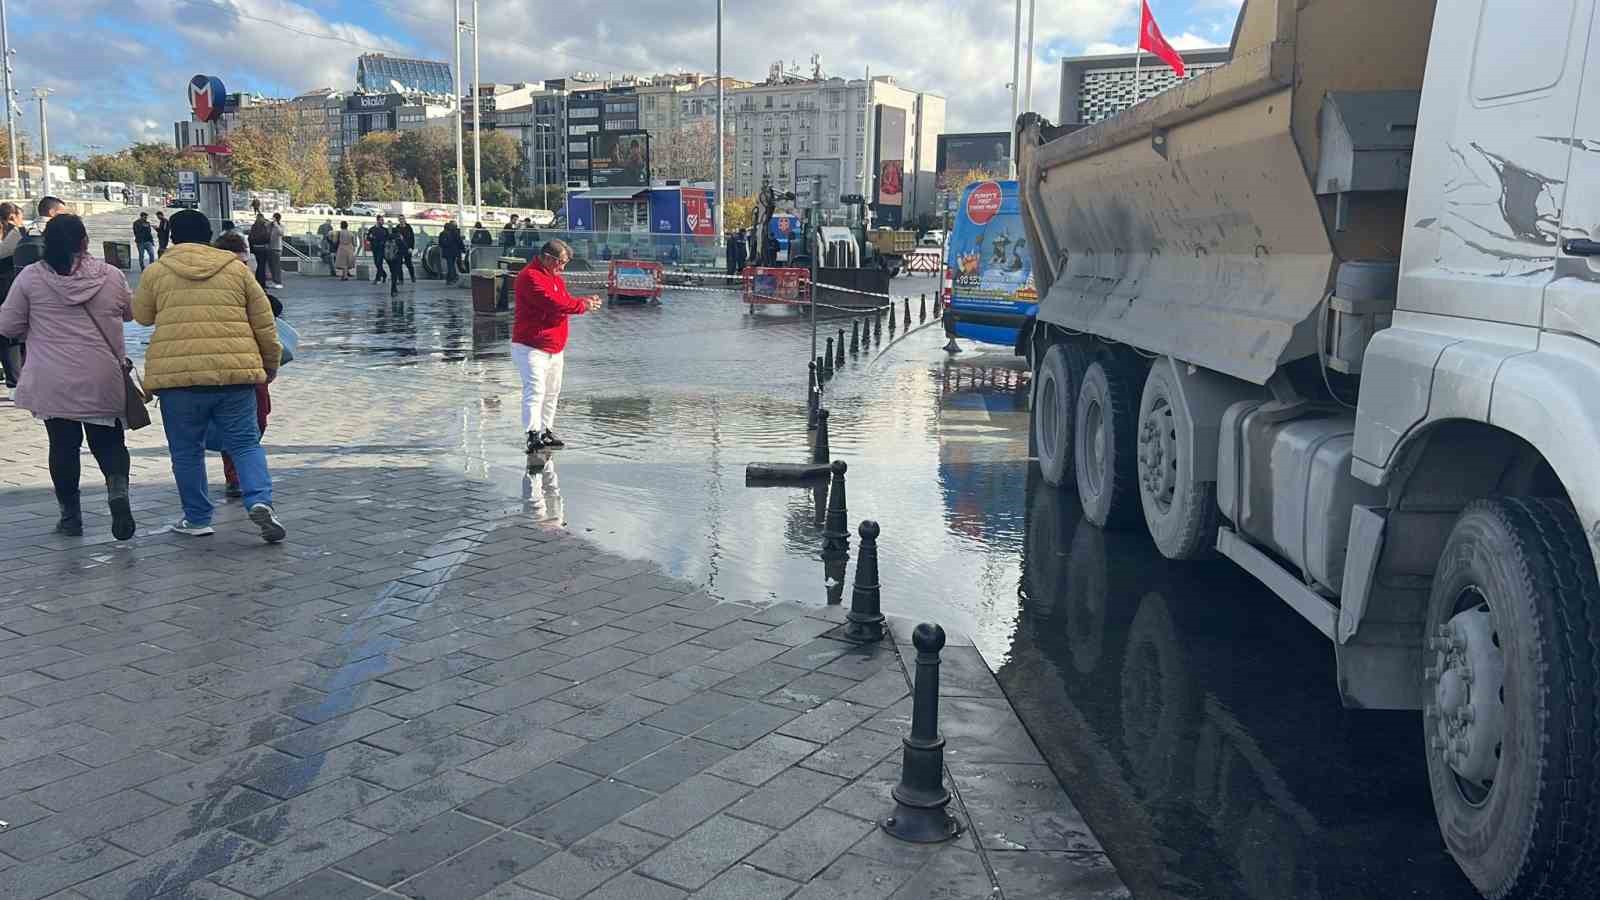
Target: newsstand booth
(670,225)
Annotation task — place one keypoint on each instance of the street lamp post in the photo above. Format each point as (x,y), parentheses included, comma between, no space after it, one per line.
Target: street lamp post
(722,137)
(477,120)
(41,94)
(11,123)
(461,209)
(1016,86)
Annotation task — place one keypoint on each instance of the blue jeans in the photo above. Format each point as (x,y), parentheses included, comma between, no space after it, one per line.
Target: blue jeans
(230,415)
(147,254)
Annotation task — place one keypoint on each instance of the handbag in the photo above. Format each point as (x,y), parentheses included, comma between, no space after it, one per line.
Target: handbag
(289,339)
(134,414)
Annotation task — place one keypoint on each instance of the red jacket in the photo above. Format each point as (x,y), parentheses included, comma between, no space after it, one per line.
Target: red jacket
(543,304)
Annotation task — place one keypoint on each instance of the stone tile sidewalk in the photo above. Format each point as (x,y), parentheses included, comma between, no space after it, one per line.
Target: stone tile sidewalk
(431,692)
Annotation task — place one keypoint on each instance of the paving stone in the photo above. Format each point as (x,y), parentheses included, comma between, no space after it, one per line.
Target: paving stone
(760,680)
(412,734)
(519,757)
(854,754)
(32,746)
(803,850)
(297,857)
(334,732)
(612,716)
(590,641)
(568,820)
(745,656)
(341,702)
(882,689)
(690,862)
(952,875)
(97,783)
(782,801)
(814,654)
(854,877)
(303,774)
(323,885)
(427,699)
(827,722)
(397,858)
(869,797)
(595,663)
(63,868)
(746,726)
(515,668)
(434,670)
(590,862)
(629,886)
(732,634)
(27,840)
(310,809)
(691,802)
(862,662)
(413,806)
(479,870)
(759,762)
(521,722)
(672,764)
(808,692)
(986,731)
(417,766)
(617,751)
(697,712)
(516,694)
(1016,807)
(1036,875)
(717,615)
(656,639)
(522,797)
(797,631)
(580,622)
(603,689)
(37,773)
(666,691)
(171,868)
(744,882)
(214,743)
(180,823)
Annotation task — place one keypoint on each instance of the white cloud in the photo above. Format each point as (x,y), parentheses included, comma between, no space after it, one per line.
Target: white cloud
(1186,41)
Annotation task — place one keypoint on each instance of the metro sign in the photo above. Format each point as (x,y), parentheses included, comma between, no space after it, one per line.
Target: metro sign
(207,97)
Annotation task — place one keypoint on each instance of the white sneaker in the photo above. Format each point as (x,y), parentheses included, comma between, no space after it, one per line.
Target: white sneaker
(183,527)
(271,529)
(277,285)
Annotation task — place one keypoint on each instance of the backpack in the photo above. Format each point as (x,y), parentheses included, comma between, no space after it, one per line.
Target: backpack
(391,249)
(260,233)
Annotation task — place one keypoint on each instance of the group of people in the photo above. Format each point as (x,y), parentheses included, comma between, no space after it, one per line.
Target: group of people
(391,249)
(213,350)
(147,235)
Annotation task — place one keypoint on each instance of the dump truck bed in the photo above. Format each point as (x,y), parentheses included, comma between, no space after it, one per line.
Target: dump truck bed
(1190,224)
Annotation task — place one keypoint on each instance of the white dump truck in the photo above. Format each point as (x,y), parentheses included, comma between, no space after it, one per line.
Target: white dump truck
(1332,310)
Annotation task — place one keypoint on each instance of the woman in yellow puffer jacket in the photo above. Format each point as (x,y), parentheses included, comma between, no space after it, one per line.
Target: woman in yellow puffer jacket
(214,340)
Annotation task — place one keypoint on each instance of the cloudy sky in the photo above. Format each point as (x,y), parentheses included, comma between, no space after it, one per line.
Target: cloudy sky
(120,68)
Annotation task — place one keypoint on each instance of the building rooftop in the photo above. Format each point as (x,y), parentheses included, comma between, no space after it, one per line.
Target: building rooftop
(382,74)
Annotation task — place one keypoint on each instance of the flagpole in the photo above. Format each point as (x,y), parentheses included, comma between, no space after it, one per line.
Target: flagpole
(1138,57)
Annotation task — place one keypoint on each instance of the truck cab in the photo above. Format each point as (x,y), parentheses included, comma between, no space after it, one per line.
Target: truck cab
(1330,311)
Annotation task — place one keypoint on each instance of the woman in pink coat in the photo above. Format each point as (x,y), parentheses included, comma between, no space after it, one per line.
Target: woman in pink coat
(70,307)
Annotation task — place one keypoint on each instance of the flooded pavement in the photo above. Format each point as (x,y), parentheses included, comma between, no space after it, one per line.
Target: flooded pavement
(1191,717)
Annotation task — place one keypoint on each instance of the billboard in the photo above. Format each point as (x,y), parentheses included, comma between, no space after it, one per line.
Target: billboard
(666,212)
(806,170)
(619,159)
(891,156)
(697,207)
(986,151)
(988,251)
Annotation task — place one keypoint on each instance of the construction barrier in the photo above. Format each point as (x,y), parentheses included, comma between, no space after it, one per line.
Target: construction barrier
(776,286)
(634,278)
(925,261)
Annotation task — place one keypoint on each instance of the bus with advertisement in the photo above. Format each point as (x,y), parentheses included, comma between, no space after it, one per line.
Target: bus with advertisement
(988,286)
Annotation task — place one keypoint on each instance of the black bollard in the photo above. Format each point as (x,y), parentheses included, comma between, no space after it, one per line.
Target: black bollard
(922,309)
(839,361)
(908,313)
(865,620)
(938,305)
(855,335)
(920,797)
(827,359)
(877,326)
(822,373)
(836,532)
(813,399)
(819,444)
(891,318)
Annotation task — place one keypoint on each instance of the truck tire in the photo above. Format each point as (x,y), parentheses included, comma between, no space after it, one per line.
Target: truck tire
(1103,443)
(1513,635)
(1055,400)
(1179,509)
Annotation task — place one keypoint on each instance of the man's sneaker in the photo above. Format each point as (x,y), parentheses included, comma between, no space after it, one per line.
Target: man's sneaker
(535,443)
(550,440)
(183,527)
(277,285)
(271,529)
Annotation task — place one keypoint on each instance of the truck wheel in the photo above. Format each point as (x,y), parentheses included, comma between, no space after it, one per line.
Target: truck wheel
(1180,510)
(1055,397)
(1104,451)
(1513,626)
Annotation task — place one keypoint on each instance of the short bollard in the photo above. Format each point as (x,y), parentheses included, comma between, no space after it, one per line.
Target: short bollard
(822,372)
(855,335)
(938,305)
(920,797)
(838,361)
(827,359)
(877,327)
(819,445)
(813,399)
(836,530)
(922,309)
(891,318)
(908,313)
(864,623)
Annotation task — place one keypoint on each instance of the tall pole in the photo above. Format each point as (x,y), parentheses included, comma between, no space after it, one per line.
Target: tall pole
(44,134)
(869,162)
(477,120)
(461,170)
(11,122)
(1027,73)
(1016,64)
(722,140)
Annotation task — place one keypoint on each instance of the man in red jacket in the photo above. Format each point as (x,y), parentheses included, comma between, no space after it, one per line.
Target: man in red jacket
(539,337)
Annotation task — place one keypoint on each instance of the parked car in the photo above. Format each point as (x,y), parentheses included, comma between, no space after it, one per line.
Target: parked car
(363,209)
(934,238)
(435,214)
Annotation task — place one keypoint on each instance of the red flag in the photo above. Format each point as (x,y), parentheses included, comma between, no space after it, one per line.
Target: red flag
(1150,39)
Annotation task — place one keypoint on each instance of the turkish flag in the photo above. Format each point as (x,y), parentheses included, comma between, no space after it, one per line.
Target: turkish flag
(1150,39)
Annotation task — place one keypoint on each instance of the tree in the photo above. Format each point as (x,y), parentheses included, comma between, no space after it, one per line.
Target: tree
(427,156)
(150,164)
(739,212)
(495,193)
(112,167)
(690,153)
(345,184)
(259,161)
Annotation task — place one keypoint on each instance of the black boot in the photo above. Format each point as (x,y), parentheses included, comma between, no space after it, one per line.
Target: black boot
(122,524)
(71,523)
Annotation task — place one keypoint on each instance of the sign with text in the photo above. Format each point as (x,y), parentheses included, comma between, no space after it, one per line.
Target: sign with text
(207,97)
(619,159)
(189,186)
(697,213)
(806,172)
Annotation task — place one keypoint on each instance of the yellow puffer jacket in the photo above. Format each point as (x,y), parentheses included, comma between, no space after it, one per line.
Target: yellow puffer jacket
(213,324)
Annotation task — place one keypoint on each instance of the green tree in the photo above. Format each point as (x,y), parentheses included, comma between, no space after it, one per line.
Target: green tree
(158,163)
(495,192)
(259,160)
(739,212)
(112,167)
(427,156)
(345,184)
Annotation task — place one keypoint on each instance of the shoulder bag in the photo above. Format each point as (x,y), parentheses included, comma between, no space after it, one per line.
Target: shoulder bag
(134,415)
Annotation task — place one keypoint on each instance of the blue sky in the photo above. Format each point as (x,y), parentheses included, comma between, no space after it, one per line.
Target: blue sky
(120,68)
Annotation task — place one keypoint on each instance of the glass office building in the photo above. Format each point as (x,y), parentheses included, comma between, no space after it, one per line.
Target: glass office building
(378,73)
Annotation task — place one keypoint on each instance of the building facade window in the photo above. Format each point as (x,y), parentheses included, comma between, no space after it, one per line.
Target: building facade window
(833,145)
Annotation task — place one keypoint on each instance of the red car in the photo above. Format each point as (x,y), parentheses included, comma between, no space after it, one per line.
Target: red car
(435,214)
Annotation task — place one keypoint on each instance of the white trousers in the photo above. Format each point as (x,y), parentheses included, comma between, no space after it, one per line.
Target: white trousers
(541,386)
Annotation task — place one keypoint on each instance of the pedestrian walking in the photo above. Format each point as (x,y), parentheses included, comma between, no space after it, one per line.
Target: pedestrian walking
(481,236)
(539,339)
(451,249)
(214,340)
(163,232)
(344,253)
(230,473)
(144,237)
(71,309)
(275,249)
(260,238)
(508,236)
(11,233)
(377,238)
(408,242)
(31,248)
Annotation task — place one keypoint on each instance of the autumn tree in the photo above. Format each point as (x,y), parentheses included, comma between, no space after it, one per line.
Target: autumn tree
(146,163)
(345,184)
(690,153)
(739,213)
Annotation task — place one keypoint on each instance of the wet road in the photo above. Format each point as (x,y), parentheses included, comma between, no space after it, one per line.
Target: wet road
(1189,714)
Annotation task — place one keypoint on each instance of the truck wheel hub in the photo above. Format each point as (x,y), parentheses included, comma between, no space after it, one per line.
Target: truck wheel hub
(1158,458)
(1467,717)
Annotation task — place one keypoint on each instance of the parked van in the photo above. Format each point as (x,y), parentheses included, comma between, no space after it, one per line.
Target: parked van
(988,272)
